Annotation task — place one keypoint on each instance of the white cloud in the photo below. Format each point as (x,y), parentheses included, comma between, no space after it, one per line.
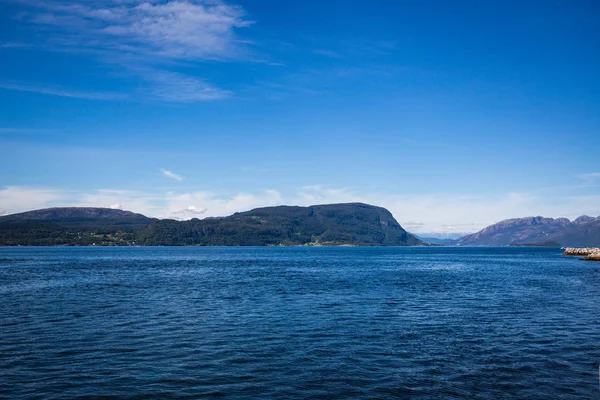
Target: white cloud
(175,87)
(163,85)
(432,213)
(412,224)
(178,29)
(592,176)
(447,212)
(130,200)
(13,45)
(170,174)
(145,37)
(25,130)
(219,205)
(60,91)
(190,212)
(19,198)
(327,53)
(162,205)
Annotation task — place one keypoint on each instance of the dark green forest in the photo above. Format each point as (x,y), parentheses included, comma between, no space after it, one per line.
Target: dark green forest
(333,224)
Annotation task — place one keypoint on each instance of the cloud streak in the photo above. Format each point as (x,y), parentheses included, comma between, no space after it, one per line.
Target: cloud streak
(190,212)
(13,45)
(172,175)
(22,198)
(146,37)
(592,176)
(177,29)
(26,130)
(175,87)
(62,92)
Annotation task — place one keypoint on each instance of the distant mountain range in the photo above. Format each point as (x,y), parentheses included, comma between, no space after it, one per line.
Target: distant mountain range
(583,231)
(442,238)
(332,224)
(435,240)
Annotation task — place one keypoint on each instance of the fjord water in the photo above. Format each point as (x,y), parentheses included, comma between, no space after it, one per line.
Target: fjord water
(298,322)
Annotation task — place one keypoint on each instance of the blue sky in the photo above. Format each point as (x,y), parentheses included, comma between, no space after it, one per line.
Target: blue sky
(452,114)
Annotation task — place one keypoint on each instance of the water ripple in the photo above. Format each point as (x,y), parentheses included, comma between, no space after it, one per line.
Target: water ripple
(333,323)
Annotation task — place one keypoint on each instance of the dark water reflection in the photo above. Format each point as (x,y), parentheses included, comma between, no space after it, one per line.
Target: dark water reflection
(298,323)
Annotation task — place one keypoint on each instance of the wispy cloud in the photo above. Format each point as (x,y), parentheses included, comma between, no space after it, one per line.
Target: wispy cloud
(21,198)
(592,176)
(327,53)
(170,174)
(163,85)
(14,45)
(146,37)
(175,87)
(187,29)
(254,169)
(25,130)
(413,224)
(151,204)
(369,47)
(62,92)
(214,205)
(190,212)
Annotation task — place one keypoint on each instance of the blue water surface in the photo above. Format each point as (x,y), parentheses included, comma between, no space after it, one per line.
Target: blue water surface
(298,323)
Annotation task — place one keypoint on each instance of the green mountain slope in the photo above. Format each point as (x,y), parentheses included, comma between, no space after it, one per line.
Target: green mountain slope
(80,216)
(333,224)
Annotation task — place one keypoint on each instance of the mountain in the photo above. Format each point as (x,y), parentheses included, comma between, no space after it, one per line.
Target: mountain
(435,240)
(444,235)
(332,224)
(80,216)
(583,231)
(440,238)
(71,226)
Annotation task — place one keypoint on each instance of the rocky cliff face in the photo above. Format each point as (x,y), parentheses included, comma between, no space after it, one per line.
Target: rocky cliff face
(583,231)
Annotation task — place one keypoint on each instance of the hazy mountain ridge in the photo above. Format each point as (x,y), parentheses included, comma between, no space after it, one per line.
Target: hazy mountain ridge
(440,238)
(331,224)
(434,240)
(583,231)
(443,235)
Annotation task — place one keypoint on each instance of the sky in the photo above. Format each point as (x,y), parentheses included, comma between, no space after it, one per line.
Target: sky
(452,114)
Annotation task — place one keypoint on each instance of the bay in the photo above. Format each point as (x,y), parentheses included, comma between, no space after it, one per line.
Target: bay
(295,322)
